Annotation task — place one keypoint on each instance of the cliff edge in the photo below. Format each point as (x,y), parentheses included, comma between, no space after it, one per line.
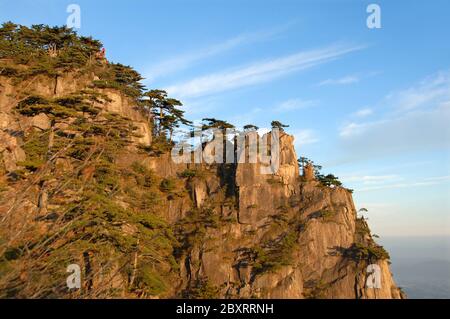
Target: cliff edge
(86,181)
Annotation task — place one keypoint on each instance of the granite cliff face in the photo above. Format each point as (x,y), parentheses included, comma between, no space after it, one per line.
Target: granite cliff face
(285,237)
(78,185)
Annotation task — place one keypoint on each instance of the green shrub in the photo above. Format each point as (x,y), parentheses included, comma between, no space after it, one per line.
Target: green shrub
(36,150)
(190,173)
(328,180)
(274,254)
(29,46)
(8,71)
(150,281)
(361,227)
(167,185)
(315,289)
(201,289)
(160,145)
(359,252)
(60,107)
(326,215)
(34,105)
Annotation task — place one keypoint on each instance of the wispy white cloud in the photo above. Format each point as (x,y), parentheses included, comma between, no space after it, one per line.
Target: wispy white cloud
(419,130)
(418,120)
(352,129)
(399,185)
(258,72)
(364,112)
(370,179)
(304,137)
(294,104)
(434,90)
(438,178)
(392,181)
(349,79)
(183,61)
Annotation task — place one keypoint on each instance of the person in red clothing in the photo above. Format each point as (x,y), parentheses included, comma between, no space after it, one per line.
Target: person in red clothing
(101,55)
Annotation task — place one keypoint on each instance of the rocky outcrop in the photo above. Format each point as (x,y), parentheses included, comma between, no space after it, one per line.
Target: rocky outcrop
(170,230)
(119,104)
(11,151)
(13,127)
(290,239)
(255,187)
(309,172)
(41,121)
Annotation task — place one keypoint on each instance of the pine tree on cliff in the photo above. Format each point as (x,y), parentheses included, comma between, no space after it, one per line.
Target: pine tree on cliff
(164,112)
(215,123)
(212,123)
(250,127)
(278,125)
(302,161)
(24,44)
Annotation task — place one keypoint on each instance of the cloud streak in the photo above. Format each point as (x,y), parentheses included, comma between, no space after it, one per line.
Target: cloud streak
(183,61)
(418,121)
(304,137)
(294,104)
(370,179)
(434,90)
(258,72)
(341,81)
(348,79)
(400,185)
(363,112)
(422,130)
(382,182)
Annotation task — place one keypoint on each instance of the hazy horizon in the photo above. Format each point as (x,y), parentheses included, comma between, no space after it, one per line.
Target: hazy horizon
(420,265)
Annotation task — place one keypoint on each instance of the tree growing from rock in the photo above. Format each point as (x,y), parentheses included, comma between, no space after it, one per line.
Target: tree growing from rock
(327,180)
(303,161)
(278,125)
(250,127)
(215,123)
(164,112)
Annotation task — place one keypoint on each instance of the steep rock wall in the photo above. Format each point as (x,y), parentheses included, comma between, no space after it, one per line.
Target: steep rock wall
(284,238)
(240,233)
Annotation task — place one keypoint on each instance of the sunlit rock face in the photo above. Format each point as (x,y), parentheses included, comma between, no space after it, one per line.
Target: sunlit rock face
(228,230)
(288,236)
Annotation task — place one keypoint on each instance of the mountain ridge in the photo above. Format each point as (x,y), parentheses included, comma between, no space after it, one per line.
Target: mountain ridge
(87,179)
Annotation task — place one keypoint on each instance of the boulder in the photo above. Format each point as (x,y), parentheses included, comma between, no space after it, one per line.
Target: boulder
(41,121)
(12,152)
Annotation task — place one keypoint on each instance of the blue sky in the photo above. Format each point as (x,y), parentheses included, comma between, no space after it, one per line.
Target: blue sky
(371,105)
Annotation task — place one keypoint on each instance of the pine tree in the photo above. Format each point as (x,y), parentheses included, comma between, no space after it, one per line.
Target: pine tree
(164,112)
(250,127)
(214,123)
(278,125)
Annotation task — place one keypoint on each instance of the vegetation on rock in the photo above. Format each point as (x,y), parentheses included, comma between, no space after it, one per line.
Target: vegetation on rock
(88,193)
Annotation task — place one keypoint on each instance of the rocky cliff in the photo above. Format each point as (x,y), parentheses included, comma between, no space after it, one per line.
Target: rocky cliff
(80,183)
